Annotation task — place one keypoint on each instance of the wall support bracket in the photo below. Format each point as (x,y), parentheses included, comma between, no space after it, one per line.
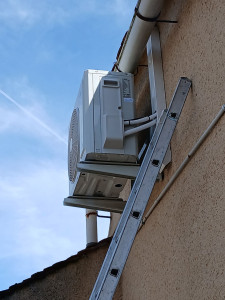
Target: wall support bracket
(128,171)
(157,88)
(97,203)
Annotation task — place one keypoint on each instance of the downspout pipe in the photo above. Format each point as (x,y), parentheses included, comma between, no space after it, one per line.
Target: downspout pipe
(91,227)
(142,24)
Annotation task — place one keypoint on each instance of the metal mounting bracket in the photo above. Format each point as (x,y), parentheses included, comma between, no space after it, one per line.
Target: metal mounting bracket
(157,89)
(128,171)
(98,203)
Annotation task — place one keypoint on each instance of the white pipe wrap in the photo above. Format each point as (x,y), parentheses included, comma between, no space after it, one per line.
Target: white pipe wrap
(138,35)
(140,120)
(139,128)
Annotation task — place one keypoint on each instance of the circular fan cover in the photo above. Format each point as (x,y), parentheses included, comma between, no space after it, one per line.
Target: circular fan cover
(73,145)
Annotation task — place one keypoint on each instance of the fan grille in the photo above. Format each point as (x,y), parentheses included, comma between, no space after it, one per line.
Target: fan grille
(73,145)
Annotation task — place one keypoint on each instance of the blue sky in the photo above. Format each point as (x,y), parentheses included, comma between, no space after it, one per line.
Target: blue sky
(45,47)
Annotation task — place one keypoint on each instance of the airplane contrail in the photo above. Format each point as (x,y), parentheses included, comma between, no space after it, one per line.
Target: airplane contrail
(33,117)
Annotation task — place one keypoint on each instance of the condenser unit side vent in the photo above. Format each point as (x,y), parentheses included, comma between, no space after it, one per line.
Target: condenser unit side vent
(74,145)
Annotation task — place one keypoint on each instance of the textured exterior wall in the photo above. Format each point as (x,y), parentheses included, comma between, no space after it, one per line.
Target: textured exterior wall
(71,279)
(180,251)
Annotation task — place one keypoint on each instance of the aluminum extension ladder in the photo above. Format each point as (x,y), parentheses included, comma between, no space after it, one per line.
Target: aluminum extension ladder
(130,220)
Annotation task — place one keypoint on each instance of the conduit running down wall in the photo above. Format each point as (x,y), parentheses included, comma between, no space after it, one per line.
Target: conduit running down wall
(138,35)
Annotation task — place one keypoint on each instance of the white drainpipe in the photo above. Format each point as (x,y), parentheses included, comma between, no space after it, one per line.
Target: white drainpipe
(138,35)
(91,227)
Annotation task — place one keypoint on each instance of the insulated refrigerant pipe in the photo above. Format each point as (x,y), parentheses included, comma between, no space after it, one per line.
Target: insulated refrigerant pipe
(142,24)
(183,164)
(139,128)
(140,120)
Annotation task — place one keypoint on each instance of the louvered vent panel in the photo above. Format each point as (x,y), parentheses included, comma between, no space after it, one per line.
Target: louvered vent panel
(73,145)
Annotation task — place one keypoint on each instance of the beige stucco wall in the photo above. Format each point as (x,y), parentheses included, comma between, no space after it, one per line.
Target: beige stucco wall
(70,280)
(180,251)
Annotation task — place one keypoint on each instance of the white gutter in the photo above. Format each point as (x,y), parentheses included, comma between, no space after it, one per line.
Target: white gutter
(138,34)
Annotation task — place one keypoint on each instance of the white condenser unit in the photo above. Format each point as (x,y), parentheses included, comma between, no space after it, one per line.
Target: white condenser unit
(96,135)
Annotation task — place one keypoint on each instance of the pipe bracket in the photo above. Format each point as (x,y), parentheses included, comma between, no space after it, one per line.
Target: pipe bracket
(154,19)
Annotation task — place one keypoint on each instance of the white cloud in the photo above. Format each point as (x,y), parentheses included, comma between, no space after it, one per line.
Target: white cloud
(26,113)
(34,222)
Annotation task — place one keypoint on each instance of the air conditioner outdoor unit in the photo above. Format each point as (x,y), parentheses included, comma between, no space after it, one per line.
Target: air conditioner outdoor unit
(96,134)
